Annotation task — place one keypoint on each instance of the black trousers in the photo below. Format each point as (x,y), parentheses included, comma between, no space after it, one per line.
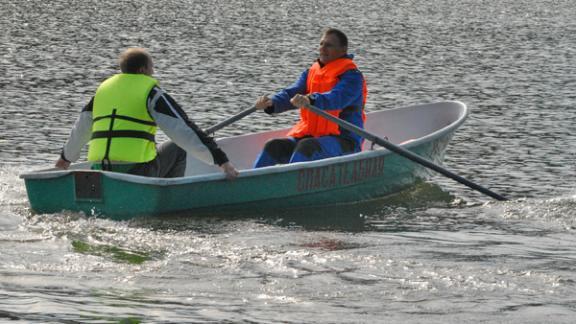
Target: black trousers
(169,163)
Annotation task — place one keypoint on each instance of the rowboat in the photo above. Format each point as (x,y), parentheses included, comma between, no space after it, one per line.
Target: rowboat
(374,172)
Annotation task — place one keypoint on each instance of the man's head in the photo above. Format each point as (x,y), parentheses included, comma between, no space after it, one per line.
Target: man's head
(333,45)
(136,61)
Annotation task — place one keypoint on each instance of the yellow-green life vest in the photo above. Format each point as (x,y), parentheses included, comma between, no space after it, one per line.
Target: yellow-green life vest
(122,129)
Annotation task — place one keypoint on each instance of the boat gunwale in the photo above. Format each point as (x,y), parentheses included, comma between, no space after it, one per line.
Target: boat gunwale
(464,111)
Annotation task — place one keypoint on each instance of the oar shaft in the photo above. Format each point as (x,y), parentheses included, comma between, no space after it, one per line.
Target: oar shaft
(230,120)
(403,152)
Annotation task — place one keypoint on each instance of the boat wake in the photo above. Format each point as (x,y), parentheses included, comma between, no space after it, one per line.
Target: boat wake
(13,200)
(12,191)
(554,213)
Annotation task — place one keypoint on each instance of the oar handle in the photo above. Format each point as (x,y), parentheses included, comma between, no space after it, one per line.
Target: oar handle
(230,120)
(403,152)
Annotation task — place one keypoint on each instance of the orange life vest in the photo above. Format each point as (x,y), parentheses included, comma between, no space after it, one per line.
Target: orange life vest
(322,79)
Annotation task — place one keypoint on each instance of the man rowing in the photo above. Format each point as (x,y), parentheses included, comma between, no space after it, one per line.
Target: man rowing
(334,84)
(121,121)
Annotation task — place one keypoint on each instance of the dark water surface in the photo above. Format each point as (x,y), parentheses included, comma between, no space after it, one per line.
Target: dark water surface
(438,253)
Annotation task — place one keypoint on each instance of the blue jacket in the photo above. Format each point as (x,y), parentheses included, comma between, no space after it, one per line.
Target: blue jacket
(346,95)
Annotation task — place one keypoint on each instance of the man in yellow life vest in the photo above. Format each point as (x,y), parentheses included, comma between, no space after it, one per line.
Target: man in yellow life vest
(121,121)
(334,84)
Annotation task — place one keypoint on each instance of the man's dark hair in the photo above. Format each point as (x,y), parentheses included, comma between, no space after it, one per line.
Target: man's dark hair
(339,34)
(133,59)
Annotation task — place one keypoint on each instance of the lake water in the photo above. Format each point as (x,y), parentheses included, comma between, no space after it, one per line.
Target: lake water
(438,253)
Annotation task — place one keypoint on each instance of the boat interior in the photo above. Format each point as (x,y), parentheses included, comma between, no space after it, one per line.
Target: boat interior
(404,126)
(401,126)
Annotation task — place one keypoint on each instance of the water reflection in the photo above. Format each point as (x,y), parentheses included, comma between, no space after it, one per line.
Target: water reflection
(391,213)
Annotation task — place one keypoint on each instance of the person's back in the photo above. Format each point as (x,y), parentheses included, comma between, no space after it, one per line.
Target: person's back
(121,122)
(122,129)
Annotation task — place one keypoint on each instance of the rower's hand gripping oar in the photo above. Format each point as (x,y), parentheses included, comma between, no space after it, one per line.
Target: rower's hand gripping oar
(403,152)
(230,120)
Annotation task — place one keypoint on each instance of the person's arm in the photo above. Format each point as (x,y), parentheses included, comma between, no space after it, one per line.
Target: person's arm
(347,91)
(280,102)
(344,94)
(79,136)
(174,122)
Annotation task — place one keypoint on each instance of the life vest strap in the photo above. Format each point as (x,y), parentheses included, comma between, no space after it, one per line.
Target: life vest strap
(136,120)
(123,133)
(106,165)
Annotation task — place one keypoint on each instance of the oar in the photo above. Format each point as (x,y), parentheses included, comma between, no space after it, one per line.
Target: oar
(230,120)
(403,152)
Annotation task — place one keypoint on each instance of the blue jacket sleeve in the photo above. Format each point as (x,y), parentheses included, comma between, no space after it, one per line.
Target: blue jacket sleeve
(347,92)
(281,100)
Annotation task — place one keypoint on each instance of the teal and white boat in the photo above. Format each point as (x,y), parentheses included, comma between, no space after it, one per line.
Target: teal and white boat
(374,172)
